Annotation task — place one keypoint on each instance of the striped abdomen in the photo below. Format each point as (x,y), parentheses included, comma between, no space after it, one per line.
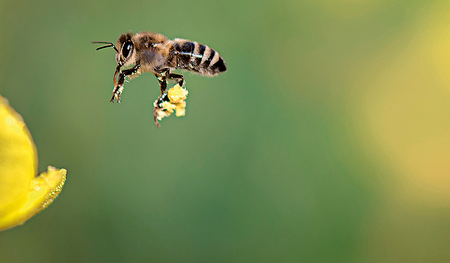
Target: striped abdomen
(196,57)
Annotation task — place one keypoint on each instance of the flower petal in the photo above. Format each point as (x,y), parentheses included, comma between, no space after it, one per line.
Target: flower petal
(22,195)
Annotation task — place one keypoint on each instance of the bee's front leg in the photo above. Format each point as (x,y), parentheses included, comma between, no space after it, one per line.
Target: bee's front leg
(118,87)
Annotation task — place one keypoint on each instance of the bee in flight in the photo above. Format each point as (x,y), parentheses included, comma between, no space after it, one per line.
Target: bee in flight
(152,52)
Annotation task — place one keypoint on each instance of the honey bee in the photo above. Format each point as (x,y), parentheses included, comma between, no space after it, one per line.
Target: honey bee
(152,52)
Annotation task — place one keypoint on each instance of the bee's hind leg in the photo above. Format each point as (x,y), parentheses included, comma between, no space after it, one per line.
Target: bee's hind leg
(177,77)
(162,79)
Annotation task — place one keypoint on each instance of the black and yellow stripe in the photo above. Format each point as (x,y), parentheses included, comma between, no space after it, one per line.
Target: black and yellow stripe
(196,57)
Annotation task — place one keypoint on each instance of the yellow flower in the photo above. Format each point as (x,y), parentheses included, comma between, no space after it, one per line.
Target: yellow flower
(177,96)
(22,194)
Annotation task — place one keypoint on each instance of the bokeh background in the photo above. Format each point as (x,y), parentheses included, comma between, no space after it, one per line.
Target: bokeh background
(328,139)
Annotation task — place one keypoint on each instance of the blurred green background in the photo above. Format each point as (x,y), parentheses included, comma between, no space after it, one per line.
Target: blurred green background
(328,139)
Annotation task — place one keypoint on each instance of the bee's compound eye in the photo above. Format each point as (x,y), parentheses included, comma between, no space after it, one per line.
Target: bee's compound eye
(126,48)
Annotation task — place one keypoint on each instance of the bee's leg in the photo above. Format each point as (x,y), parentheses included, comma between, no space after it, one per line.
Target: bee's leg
(178,77)
(159,106)
(119,85)
(162,79)
(163,98)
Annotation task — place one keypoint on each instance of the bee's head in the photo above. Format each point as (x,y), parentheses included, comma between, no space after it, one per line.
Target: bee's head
(125,48)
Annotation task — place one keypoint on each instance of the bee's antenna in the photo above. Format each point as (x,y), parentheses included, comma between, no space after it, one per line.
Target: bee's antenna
(109,44)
